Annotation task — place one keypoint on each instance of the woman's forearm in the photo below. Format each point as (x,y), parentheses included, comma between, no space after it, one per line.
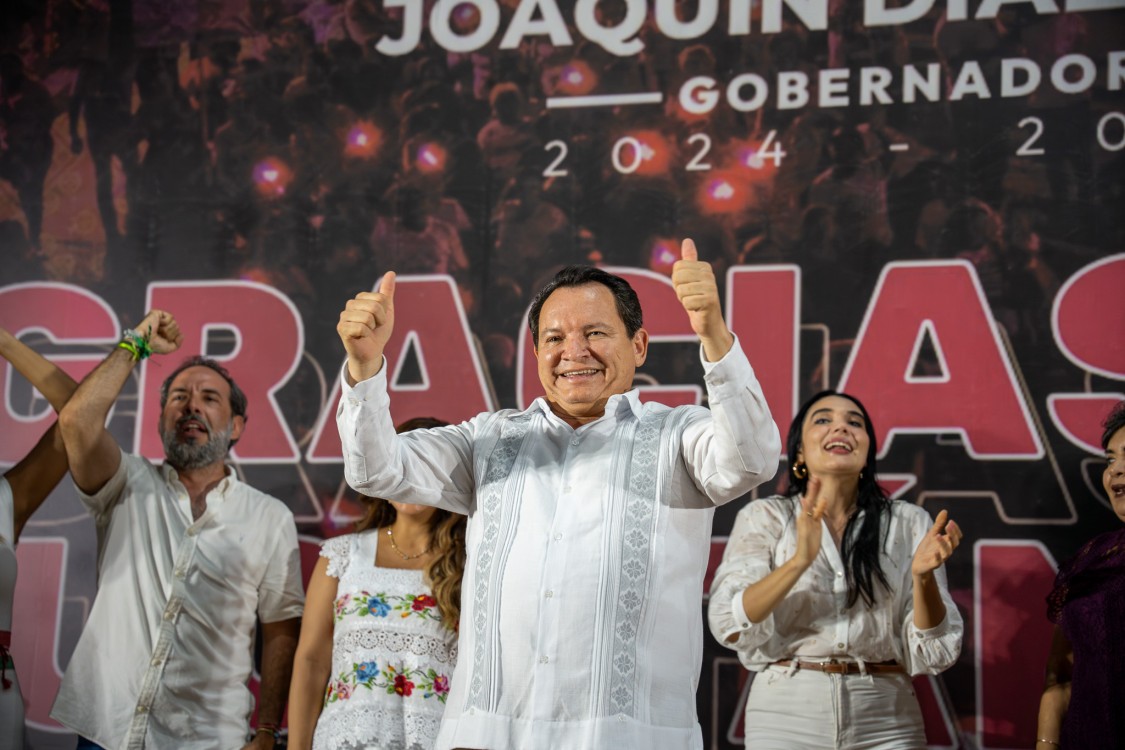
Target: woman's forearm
(1056,691)
(306,698)
(929,609)
(47,377)
(760,599)
(1052,709)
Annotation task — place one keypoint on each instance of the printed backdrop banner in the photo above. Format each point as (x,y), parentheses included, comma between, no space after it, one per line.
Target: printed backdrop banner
(918,202)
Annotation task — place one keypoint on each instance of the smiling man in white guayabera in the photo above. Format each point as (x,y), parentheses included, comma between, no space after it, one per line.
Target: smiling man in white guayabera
(589,514)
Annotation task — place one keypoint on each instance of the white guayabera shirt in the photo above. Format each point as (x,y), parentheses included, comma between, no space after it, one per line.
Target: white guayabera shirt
(166,653)
(580,623)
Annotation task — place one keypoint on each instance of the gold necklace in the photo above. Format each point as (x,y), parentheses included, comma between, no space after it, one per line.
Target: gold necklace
(403,555)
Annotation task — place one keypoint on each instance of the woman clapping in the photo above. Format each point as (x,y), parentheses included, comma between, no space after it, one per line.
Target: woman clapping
(835,595)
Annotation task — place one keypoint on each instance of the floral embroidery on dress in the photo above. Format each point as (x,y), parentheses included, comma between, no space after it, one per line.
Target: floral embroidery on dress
(365,604)
(393,680)
(392,656)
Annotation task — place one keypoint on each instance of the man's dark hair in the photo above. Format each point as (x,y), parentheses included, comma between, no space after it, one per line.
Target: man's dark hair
(1114,421)
(628,306)
(237,397)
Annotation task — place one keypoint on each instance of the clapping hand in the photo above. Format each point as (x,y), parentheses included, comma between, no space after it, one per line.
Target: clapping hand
(936,546)
(809,523)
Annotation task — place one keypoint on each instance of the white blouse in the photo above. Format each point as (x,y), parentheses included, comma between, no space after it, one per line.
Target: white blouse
(813,621)
(392,656)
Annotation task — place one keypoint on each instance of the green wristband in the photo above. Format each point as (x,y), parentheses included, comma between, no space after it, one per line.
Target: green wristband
(136,343)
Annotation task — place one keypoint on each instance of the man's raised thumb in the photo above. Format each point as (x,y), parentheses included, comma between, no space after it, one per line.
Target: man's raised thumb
(688,251)
(387,285)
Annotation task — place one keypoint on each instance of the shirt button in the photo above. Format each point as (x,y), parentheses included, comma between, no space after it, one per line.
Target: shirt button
(543,660)
(179,572)
(839,645)
(192,531)
(558,537)
(155,661)
(169,614)
(839,574)
(549,594)
(574,441)
(142,709)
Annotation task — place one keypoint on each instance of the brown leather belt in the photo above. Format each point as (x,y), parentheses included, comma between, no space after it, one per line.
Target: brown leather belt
(844,667)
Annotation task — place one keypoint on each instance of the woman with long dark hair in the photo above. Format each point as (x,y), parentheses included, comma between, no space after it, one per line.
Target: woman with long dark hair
(378,639)
(835,595)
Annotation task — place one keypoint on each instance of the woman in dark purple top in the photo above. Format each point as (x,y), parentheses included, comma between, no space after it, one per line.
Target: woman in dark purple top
(1083,703)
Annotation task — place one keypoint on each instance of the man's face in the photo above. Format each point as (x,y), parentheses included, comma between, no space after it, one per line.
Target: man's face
(197,425)
(584,353)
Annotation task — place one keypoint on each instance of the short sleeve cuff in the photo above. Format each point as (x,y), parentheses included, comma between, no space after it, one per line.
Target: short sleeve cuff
(99,502)
(289,609)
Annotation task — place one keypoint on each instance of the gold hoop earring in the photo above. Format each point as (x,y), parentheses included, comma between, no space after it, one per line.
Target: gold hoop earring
(800,471)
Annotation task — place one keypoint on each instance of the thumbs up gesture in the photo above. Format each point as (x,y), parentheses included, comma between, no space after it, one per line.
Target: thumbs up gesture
(365,328)
(695,286)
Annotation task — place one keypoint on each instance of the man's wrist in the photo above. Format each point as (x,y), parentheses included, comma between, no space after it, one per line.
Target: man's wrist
(136,343)
(267,732)
(358,372)
(717,345)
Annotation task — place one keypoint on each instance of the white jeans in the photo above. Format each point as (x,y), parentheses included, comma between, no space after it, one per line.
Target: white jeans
(795,710)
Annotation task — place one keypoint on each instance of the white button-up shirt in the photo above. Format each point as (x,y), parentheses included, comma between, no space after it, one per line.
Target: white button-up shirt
(813,621)
(580,625)
(166,653)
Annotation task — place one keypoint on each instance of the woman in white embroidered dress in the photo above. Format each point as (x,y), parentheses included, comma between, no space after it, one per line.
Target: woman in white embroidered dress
(22,490)
(835,595)
(378,638)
